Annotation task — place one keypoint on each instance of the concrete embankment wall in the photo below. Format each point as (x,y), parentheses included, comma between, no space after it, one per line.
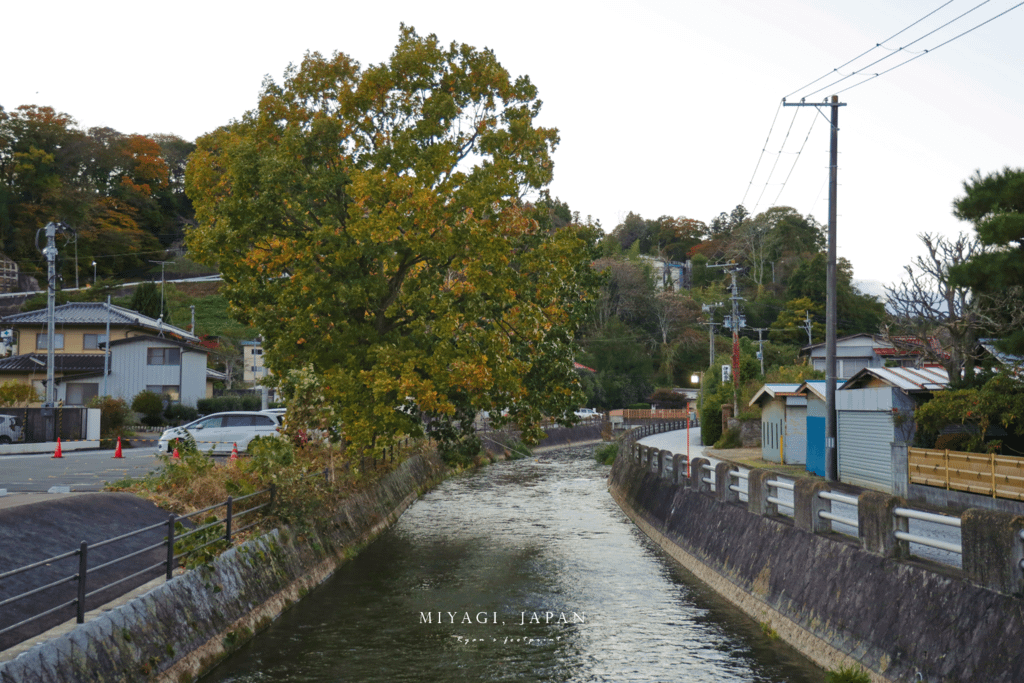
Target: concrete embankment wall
(185,626)
(835,602)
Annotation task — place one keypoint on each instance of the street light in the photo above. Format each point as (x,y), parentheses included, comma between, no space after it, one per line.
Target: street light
(698,379)
(94,273)
(162,264)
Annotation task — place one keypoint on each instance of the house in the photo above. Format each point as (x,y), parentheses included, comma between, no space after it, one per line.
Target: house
(144,353)
(874,409)
(253,369)
(859,351)
(783,423)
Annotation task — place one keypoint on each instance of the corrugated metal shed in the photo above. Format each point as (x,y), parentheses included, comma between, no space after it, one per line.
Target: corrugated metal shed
(911,380)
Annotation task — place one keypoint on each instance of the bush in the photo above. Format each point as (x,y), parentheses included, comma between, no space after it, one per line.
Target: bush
(848,674)
(517,450)
(114,416)
(731,439)
(269,453)
(220,404)
(151,406)
(180,414)
(638,406)
(607,453)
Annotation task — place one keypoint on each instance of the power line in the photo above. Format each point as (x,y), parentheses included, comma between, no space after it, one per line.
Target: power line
(904,47)
(778,156)
(763,150)
(791,168)
(877,45)
(922,54)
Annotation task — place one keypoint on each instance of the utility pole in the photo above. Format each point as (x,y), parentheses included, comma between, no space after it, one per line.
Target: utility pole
(831,469)
(760,346)
(807,326)
(710,310)
(733,269)
(162,264)
(50,254)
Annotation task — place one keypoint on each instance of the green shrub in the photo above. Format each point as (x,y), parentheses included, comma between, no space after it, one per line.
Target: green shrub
(114,416)
(151,406)
(607,453)
(517,450)
(220,404)
(848,674)
(638,406)
(269,453)
(180,414)
(731,439)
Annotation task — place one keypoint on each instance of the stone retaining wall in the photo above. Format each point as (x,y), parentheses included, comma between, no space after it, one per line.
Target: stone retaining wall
(184,627)
(837,603)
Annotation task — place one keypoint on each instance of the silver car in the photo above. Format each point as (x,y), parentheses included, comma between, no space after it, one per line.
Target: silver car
(220,432)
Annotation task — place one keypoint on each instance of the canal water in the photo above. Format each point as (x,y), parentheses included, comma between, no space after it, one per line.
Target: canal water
(522,571)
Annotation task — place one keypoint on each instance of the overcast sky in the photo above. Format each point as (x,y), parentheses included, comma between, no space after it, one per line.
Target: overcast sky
(663,107)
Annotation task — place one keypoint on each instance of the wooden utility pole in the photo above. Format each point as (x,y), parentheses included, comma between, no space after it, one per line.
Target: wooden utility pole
(831,462)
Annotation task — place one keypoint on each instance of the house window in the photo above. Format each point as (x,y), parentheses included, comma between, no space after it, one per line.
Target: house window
(163,356)
(172,391)
(79,393)
(91,342)
(58,341)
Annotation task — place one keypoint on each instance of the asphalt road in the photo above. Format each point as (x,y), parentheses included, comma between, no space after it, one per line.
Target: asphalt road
(78,470)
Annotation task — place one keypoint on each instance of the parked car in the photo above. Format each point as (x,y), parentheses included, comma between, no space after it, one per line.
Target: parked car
(218,433)
(586,413)
(10,430)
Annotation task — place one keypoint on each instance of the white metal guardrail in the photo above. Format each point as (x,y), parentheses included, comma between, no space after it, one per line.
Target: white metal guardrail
(946,520)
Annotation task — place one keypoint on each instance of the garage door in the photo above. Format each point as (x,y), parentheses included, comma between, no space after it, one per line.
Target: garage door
(865,449)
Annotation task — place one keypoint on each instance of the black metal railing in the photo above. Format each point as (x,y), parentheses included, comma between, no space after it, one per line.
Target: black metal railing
(171,540)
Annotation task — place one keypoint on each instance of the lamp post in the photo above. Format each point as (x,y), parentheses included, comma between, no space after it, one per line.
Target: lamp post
(93,273)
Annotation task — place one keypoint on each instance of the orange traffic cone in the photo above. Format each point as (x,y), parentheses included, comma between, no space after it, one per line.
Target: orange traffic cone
(234,452)
(57,453)
(175,456)
(117,452)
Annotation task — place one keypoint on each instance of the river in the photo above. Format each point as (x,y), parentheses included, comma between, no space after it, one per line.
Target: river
(521,571)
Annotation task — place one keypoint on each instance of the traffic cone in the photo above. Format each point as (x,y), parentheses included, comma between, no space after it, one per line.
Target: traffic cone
(175,456)
(117,452)
(57,453)
(234,452)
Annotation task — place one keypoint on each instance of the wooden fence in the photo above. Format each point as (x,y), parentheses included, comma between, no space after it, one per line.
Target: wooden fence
(659,414)
(987,474)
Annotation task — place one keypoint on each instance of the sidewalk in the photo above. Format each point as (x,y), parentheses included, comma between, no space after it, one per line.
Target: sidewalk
(749,458)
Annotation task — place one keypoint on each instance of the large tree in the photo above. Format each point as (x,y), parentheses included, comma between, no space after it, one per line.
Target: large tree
(372,224)
(995,205)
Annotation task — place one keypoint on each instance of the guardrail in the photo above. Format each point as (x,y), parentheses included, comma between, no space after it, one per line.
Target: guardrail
(888,533)
(175,543)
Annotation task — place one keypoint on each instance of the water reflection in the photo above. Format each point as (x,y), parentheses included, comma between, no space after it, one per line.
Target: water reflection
(524,571)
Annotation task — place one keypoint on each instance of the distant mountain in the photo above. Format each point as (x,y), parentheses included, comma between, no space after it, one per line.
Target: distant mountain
(873,288)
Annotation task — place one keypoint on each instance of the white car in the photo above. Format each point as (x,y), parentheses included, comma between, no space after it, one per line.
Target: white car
(586,413)
(218,433)
(10,429)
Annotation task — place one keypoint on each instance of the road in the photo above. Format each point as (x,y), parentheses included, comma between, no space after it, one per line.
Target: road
(78,470)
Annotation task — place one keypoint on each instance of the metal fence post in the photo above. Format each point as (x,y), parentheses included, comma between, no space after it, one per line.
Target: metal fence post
(228,521)
(170,546)
(83,564)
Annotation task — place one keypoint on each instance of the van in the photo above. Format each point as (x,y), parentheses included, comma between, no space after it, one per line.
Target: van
(10,429)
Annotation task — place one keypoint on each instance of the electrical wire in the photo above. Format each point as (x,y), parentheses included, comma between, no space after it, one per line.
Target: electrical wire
(922,54)
(877,45)
(763,150)
(891,54)
(778,156)
(789,175)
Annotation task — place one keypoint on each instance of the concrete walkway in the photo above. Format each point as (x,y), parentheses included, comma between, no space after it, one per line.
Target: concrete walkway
(746,458)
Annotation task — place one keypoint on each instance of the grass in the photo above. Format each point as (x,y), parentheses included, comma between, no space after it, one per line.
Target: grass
(848,674)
